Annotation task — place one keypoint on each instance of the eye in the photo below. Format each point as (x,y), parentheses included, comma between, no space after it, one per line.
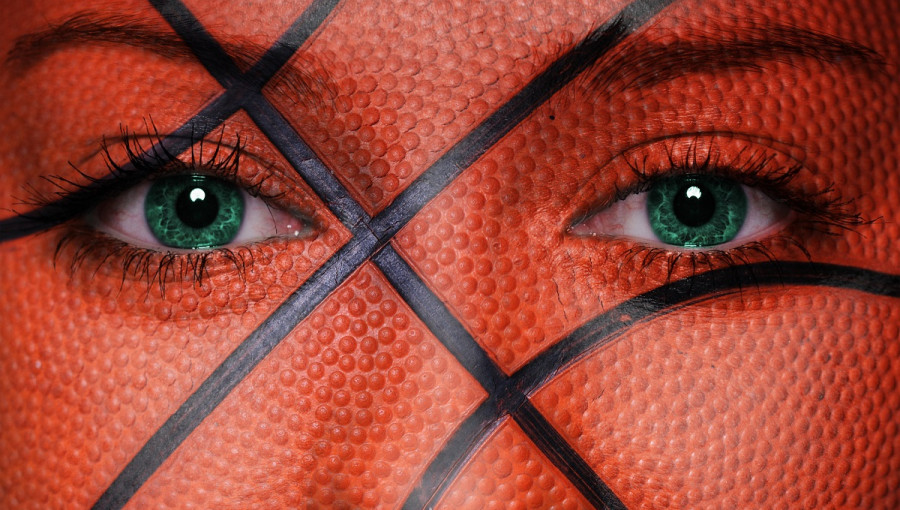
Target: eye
(690,211)
(192,212)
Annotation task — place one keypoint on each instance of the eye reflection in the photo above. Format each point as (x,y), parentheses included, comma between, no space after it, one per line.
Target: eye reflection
(193,212)
(692,211)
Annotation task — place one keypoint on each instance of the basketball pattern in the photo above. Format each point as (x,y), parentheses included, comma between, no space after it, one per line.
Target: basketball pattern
(440,338)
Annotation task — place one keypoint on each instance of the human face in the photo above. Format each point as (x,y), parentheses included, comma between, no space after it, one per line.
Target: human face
(475,267)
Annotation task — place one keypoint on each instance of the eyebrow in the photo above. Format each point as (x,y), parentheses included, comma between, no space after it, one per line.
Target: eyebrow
(643,62)
(299,76)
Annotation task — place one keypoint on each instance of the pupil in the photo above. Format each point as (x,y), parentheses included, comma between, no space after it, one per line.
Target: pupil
(694,205)
(196,207)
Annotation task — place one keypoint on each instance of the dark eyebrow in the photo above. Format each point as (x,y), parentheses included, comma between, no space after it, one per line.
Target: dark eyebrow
(91,27)
(642,62)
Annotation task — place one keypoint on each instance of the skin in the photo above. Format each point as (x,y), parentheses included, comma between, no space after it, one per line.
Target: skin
(491,354)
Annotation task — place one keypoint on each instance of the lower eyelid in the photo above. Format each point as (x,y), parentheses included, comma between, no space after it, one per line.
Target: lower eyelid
(628,218)
(123,218)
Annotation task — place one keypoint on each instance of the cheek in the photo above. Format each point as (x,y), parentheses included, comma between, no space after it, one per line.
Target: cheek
(787,396)
(349,408)
(87,377)
(750,401)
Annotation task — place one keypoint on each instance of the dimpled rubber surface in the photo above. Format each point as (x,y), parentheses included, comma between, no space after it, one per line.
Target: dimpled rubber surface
(795,388)
(253,24)
(93,78)
(510,472)
(494,245)
(345,413)
(400,103)
(107,360)
(722,406)
(100,395)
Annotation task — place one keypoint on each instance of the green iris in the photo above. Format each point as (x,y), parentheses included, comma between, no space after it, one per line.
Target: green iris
(696,210)
(194,211)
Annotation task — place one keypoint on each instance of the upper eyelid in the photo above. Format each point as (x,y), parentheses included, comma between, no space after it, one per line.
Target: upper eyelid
(716,161)
(70,198)
(782,182)
(223,147)
(786,149)
(240,149)
(102,142)
(775,168)
(789,150)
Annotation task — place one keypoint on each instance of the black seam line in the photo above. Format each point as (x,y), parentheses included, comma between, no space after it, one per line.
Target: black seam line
(599,332)
(200,125)
(217,61)
(204,46)
(569,462)
(241,90)
(235,369)
(250,84)
(451,459)
(690,291)
(541,88)
(435,314)
(287,45)
(275,327)
(504,397)
(323,182)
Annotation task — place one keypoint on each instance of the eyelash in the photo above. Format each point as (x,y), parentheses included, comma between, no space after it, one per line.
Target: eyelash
(71,200)
(822,211)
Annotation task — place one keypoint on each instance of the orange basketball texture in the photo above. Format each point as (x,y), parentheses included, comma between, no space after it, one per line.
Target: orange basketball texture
(485,357)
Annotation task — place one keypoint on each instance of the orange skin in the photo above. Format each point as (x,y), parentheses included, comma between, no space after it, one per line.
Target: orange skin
(778,393)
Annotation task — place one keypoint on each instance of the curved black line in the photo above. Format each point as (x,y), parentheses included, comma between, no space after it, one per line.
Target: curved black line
(217,63)
(199,126)
(540,89)
(242,90)
(601,331)
(451,459)
(253,349)
(696,289)
(503,399)
(335,271)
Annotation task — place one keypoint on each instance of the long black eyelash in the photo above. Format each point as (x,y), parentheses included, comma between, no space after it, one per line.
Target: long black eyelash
(153,267)
(73,200)
(823,211)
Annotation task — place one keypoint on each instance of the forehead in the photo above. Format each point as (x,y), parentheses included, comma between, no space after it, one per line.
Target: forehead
(479,90)
(438,67)
(463,87)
